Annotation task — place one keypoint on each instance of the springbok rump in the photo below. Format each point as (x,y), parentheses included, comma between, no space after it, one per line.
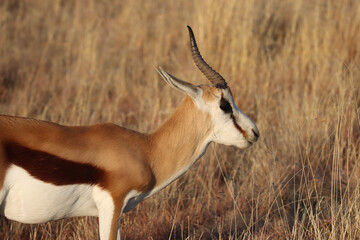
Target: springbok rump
(49,171)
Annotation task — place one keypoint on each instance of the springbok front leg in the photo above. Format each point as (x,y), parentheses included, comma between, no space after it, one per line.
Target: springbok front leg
(109,214)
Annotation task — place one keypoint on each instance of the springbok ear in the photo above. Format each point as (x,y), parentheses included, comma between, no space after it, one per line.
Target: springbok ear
(174,82)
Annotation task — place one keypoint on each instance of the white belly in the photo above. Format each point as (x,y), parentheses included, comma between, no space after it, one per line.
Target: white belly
(26,199)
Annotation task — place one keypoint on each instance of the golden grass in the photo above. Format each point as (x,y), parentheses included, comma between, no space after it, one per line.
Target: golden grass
(293,67)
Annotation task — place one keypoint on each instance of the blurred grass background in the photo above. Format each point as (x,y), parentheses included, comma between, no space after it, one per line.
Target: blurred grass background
(293,67)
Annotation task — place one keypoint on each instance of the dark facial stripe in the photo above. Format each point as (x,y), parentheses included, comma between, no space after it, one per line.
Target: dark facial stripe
(234,120)
(238,127)
(50,168)
(225,106)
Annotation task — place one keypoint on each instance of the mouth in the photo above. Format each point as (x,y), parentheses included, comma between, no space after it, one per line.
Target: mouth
(250,142)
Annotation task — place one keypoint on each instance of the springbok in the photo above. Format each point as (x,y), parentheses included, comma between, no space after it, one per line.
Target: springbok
(49,171)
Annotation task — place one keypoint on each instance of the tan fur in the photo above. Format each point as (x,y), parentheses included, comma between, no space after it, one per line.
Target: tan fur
(173,145)
(130,160)
(209,93)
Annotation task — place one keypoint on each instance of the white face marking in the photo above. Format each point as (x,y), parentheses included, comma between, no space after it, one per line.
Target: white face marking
(29,200)
(225,130)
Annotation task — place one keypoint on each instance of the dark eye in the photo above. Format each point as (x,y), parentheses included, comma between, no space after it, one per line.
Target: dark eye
(225,106)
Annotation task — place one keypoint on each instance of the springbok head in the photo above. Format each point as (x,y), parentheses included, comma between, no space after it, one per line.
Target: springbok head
(230,125)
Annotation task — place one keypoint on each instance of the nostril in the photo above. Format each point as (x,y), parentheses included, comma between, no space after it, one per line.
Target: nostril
(256,133)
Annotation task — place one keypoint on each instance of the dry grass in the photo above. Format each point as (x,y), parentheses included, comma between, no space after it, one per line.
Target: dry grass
(294,67)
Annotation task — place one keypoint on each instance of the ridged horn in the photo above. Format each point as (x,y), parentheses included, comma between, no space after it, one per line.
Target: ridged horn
(213,76)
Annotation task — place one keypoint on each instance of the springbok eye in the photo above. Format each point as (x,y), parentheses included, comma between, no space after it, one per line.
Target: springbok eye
(225,106)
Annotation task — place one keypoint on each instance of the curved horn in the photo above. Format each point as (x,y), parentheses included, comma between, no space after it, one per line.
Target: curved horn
(213,76)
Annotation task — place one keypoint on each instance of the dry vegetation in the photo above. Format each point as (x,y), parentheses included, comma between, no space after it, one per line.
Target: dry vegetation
(294,67)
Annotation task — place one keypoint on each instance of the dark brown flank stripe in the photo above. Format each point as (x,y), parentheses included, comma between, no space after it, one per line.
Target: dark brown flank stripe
(238,127)
(50,168)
